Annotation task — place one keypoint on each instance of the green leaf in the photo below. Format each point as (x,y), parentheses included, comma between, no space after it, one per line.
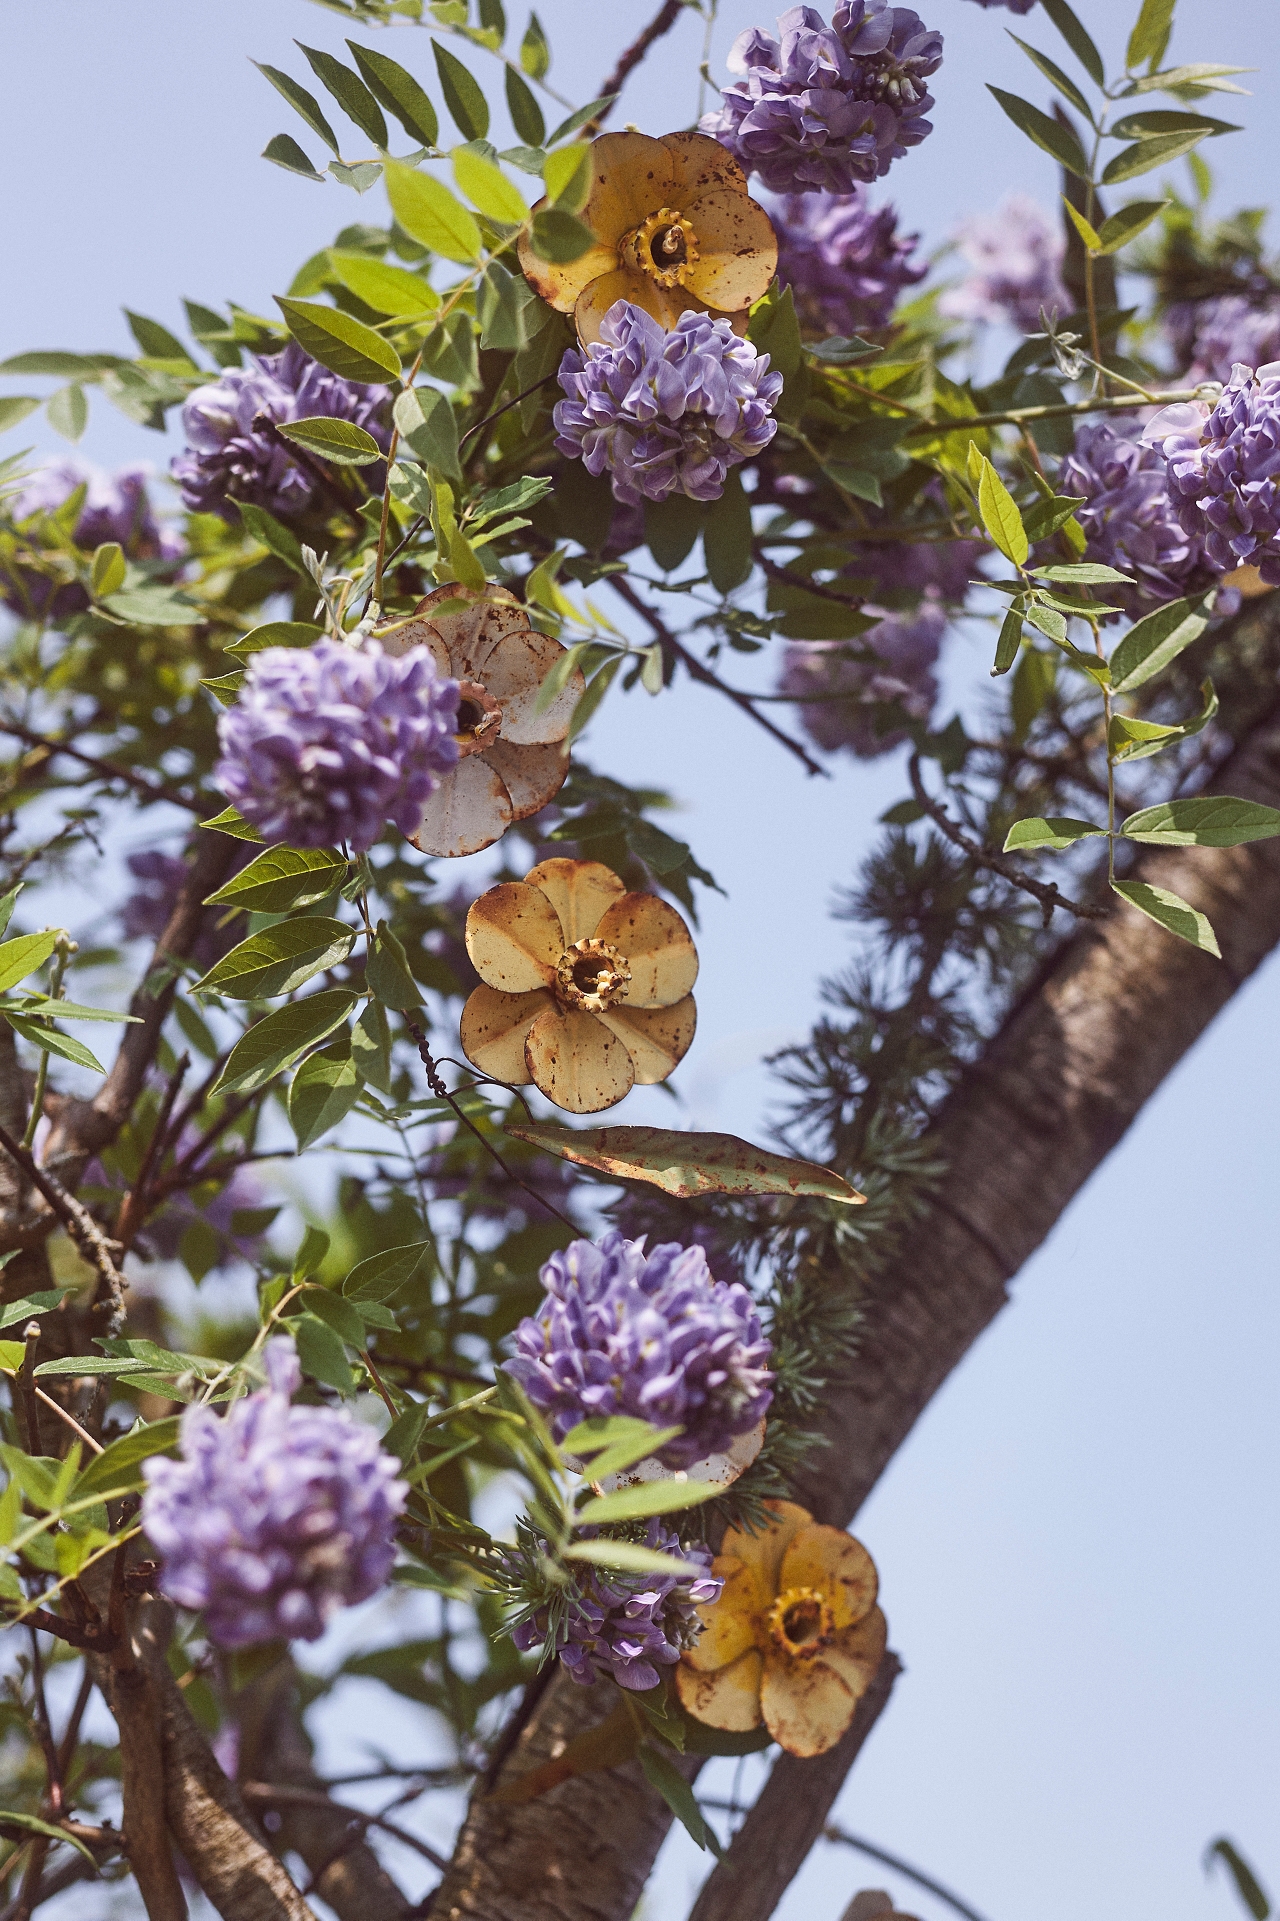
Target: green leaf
(311,1253)
(230,822)
(340,342)
(1170,911)
(1201,73)
(1150,36)
(1049,835)
(398,92)
(467,105)
(1155,640)
(119,1465)
(275,537)
(1056,78)
(503,304)
(535,53)
(108,568)
(380,1276)
(626,1554)
(616,1441)
(1211,820)
(1088,573)
(526,114)
(579,118)
(46,1037)
(335,1313)
(1008,644)
(1000,515)
(152,607)
(773,329)
(559,235)
(1135,126)
(671,529)
(303,103)
(61,366)
(841,350)
(1144,155)
(386,971)
(274,633)
(487,187)
(1076,38)
(1246,1881)
(31,1825)
(278,959)
(25,1310)
(67,412)
(1046,516)
(281,879)
(387,289)
(371,1047)
(428,425)
(16,407)
(1088,234)
(432,215)
(283,151)
(156,341)
(277,1042)
(662,1773)
(701,1739)
(339,441)
(325,1089)
(1032,685)
(321,1353)
(7,904)
(22,956)
(567,174)
(650,1497)
(1127,224)
(596,689)
(350,92)
(1047,133)
(687,1164)
(726,537)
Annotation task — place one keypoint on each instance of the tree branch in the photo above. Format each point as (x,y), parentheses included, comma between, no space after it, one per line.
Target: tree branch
(663,21)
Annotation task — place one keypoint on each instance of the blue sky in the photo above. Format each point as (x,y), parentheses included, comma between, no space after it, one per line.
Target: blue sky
(1078,1543)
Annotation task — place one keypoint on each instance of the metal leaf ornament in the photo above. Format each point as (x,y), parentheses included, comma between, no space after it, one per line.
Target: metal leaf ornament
(675,229)
(586,987)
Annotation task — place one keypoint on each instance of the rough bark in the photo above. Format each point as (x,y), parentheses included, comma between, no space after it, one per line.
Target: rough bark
(1109,1016)
(789,1816)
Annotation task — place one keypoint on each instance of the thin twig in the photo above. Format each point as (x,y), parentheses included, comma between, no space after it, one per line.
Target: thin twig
(505,409)
(833,1833)
(268,1794)
(695,669)
(67,1748)
(133,1203)
(44,1730)
(70,1420)
(27,1385)
(1046,892)
(663,21)
(265,425)
(96,1247)
(153,790)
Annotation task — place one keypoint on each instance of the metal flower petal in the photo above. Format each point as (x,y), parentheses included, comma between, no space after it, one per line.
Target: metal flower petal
(585,986)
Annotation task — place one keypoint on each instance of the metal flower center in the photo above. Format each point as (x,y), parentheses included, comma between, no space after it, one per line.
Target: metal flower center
(664,247)
(479,720)
(800,1622)
(592,975)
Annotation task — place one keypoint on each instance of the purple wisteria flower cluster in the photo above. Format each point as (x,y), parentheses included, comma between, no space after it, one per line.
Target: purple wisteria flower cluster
(1211,336)
(1224,470)
(627,1627)
(651,1335)
(115,507)
(665,412)
(275,1516)
(1129,520)
(1015,260)
(230,457)
(845,262)
(327,744)
(820,106)
(847,694)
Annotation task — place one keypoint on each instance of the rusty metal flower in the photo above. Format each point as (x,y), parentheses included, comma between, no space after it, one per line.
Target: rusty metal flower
(586,988)
(795,1637)
(511,759)
(675,229)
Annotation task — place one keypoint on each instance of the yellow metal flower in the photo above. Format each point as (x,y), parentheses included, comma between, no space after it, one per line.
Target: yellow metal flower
(511,759)
(675,228)
(586,987)
(794,1638)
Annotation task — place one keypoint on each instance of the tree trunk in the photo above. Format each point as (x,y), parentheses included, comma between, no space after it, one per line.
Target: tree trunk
(1110,1014)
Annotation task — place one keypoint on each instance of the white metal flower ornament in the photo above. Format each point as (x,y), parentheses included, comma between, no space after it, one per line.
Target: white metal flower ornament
(511,758)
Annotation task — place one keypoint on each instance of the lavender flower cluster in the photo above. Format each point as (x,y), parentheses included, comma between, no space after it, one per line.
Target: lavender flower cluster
(820,106)
(626,1627)
(1129,520)
(328,743)
(1015,259)
(275,1516)
(847,694)
(665,412)
(651,1335)
(1224,471)
(1209,337)
(844,260)
(115,507)
(231,457)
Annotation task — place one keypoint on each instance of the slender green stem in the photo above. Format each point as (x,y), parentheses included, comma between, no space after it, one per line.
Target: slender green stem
(61,955)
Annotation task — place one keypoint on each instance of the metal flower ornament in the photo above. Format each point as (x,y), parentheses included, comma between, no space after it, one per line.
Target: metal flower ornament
(587,988)
(674,228)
